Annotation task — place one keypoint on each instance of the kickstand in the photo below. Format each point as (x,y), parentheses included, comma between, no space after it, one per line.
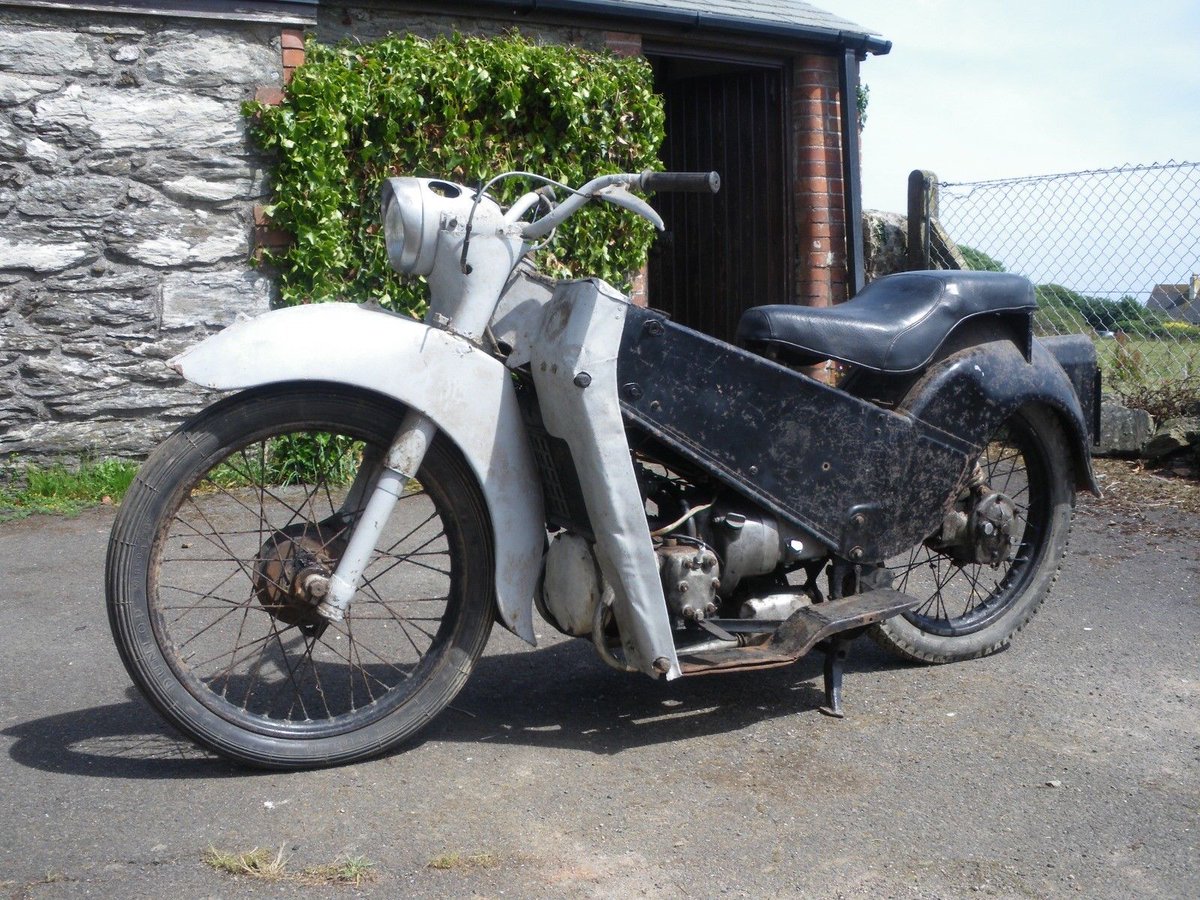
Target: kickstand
(835,659)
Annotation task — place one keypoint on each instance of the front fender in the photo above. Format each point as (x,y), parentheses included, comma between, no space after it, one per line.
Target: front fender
(464,390)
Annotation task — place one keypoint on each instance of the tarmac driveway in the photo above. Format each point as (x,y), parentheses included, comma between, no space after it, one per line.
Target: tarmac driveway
(1066,766)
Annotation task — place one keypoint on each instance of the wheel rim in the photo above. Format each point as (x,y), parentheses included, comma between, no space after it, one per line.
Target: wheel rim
(956,598)
(283,674)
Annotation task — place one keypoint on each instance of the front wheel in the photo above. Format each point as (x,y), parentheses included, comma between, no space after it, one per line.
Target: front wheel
(970,609)
(212,549)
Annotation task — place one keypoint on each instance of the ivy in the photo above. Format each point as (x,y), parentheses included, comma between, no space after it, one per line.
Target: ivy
(457,107)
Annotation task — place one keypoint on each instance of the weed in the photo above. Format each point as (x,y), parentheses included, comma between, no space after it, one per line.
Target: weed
(29,489)
(352,870)
(267,866)
(256,863)
(458,861)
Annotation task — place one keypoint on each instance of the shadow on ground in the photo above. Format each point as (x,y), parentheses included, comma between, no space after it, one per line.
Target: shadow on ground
(558,696)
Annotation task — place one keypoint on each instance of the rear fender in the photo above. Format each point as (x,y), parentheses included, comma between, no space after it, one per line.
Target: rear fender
(971,392)
(464,390)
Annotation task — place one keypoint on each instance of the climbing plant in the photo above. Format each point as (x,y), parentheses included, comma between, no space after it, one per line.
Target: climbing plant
(457,107)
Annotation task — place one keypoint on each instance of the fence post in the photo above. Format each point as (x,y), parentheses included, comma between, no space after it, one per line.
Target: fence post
(922,207)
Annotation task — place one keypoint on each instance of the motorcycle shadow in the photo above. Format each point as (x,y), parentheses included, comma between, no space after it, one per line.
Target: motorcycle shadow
(118,740)
(562,696)
(558,696)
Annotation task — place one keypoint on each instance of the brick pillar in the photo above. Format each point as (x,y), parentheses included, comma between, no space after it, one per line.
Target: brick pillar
(820,206)
(291,45)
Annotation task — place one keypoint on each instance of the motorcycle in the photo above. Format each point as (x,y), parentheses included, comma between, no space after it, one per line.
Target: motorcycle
(305,572)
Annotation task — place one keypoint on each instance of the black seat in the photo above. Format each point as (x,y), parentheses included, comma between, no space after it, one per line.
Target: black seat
(895,324)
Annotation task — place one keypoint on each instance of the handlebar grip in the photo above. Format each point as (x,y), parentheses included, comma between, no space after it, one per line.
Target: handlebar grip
(695,182)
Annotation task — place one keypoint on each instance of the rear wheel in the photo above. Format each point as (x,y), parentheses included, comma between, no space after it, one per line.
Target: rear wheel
(970,609)
(212,552)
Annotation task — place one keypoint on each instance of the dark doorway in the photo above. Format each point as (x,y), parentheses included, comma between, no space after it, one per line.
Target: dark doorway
(723,254)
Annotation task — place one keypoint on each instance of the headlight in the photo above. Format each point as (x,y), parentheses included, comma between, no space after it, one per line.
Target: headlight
(410,225)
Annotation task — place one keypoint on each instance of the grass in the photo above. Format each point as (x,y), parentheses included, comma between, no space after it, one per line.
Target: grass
(268,865)
(62,490)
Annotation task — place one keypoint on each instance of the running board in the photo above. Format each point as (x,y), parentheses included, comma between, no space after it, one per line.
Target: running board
(799,634)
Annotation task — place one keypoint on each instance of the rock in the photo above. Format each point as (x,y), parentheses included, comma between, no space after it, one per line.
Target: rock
(16,89)
(142,120)
(28,248)
(66,314)
(1123,431)
(163,236)
(885,238)
(89,197)
(166,168)
(190,187)
(44,52)
(12,142)
(1172,435)
(126,54)
(211,64)
(214,299)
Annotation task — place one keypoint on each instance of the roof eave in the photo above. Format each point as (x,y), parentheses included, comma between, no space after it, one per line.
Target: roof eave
(634,14)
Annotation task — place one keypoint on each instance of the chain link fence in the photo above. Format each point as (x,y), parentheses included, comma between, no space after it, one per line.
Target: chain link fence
(1114,253)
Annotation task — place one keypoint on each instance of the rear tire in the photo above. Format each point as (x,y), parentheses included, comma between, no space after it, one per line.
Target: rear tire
(973,610)
(206,626)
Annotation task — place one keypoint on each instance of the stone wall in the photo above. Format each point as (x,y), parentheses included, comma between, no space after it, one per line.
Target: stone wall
(127,190)
(126,182)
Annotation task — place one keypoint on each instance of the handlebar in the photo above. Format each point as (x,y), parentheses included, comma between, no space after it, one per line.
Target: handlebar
(706,182)
(692,182)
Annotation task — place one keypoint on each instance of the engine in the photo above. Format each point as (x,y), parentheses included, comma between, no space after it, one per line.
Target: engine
(709,568)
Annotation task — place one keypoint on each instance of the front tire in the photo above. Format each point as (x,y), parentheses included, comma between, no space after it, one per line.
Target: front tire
(969,610)
(201,602)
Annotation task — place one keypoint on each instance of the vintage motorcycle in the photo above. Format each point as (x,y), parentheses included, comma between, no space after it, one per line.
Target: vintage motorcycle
(305,573)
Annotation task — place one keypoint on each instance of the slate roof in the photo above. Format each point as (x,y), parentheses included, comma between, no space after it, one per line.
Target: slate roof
(1176,301)
(785,12)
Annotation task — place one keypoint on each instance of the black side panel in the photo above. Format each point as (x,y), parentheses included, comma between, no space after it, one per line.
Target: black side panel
(862,478)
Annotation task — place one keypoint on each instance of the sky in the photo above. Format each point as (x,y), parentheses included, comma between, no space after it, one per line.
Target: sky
(983,89)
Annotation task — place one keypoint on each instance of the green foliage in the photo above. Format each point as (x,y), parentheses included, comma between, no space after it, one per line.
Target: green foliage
(863,99)
(1067,311)
(462,108)
(59,489)
(312,457)
(980,261)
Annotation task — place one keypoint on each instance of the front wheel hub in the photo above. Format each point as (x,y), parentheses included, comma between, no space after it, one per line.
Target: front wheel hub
(292,570)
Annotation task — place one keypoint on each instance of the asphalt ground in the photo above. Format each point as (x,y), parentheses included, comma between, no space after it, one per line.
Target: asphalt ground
(1068,765)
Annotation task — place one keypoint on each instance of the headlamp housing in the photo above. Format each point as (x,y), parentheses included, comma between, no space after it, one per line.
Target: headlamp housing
(412,211)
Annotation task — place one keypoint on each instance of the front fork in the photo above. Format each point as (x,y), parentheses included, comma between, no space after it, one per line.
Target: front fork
(403,459)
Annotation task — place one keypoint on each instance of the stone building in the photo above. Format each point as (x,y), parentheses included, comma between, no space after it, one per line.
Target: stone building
(127,184)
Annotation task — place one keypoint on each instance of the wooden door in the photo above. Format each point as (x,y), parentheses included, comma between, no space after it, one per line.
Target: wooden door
(723,254)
